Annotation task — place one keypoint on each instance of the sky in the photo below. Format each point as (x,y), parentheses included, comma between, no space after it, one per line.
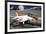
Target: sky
(22,7)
